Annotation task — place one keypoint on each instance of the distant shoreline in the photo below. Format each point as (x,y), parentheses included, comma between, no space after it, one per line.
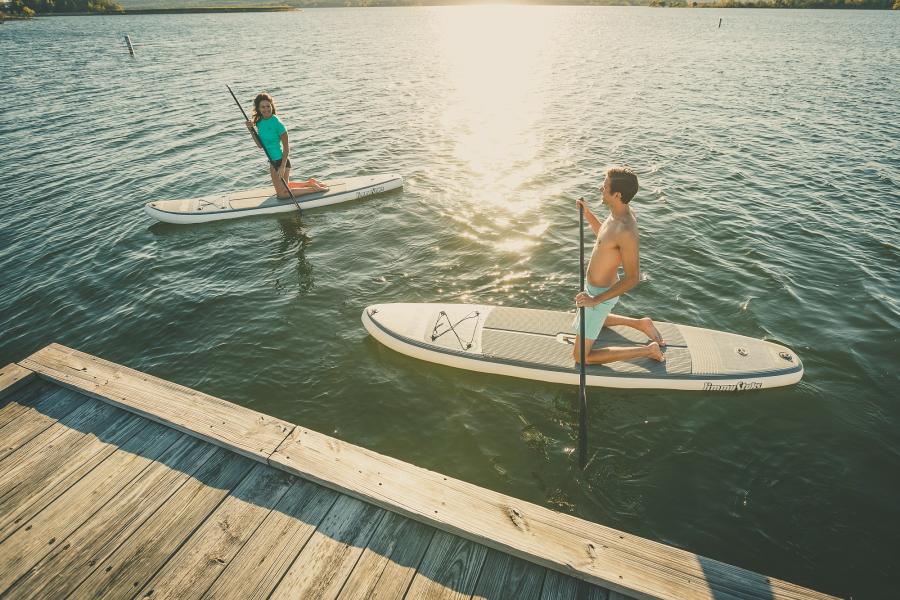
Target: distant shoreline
(208,9)
(158,11)
(778,4)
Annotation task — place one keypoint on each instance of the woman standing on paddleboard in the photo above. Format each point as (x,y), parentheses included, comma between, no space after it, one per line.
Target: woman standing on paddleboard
(274,138)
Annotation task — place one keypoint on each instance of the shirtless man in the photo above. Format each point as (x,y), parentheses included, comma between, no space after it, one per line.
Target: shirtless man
(617,244)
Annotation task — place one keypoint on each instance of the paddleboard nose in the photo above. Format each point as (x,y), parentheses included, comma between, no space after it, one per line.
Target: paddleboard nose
(403,319)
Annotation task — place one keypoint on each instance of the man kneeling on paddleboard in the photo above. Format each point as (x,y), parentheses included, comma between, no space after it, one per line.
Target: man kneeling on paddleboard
(617,244)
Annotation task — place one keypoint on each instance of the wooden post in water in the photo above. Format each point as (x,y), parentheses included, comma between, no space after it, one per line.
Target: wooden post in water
(128,43)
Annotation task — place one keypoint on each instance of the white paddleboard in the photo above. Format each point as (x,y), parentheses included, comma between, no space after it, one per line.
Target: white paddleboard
(537,344)
(263,201)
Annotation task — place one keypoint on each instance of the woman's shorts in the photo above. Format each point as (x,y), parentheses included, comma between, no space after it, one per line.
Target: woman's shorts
(277,163)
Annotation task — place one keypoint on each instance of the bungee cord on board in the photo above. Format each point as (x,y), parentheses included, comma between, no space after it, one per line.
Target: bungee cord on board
(452,327)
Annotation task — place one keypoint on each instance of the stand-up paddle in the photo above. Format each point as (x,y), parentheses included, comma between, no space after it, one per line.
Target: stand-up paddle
(582,392)
(258,141)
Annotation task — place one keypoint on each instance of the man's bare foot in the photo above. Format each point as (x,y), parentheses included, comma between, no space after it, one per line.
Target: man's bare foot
(655,352)
(651,331)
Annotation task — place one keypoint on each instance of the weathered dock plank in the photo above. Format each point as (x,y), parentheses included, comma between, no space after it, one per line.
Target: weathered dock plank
(139,557)
(389,562)
(504,577)
(12,377)
(560,587)
(193,569)
(61,571)
(234,427)
(32,420)
(270,551)
(220,534)
(600,555)
(321,569)
(30,544)
(51,462)
(449,569)
(24,397)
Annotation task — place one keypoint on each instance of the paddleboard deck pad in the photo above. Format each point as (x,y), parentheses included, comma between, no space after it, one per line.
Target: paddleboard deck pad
(262,201)
(538,344)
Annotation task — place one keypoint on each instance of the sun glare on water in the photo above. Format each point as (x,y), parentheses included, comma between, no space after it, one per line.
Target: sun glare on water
(491,55)
(495,57)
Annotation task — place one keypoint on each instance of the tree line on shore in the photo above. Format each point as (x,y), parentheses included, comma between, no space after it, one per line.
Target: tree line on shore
(857,4)
(30,8)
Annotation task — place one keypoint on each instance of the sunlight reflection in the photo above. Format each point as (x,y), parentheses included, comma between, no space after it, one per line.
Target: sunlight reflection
(515,245)
(518,275)
(493,55)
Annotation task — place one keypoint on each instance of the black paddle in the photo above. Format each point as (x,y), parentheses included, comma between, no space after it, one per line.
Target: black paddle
(258,141)
(582,418)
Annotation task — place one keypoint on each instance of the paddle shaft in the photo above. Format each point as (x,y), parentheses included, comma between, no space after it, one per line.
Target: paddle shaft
(582,392)
(259,141)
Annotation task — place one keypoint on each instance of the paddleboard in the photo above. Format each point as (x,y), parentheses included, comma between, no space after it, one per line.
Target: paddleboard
(263,201)
(537,344)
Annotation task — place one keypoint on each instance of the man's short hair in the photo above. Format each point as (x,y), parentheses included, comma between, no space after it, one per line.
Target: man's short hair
(624,181)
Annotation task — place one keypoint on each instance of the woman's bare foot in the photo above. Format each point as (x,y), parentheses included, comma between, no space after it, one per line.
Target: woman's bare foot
(303,187)
(651,331)
(655,352)
(311,185)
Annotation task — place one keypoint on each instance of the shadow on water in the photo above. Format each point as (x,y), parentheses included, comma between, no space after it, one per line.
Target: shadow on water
(156,493)
(293,244)
(161,229)
(725,581)
(158,228)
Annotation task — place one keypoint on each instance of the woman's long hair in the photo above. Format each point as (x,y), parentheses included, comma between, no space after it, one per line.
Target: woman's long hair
(259,98)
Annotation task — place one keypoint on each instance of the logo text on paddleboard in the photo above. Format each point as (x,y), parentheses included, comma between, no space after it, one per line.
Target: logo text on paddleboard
(743,386)
(369,192)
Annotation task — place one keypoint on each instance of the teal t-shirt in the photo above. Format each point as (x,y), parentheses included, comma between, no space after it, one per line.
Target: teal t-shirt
(270,131)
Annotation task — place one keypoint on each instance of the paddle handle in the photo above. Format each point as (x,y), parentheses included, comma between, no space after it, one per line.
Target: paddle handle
(259,141)
(582,391)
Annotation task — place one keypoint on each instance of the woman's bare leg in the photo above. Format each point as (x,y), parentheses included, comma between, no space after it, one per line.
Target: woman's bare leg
(310,185)
(280,190)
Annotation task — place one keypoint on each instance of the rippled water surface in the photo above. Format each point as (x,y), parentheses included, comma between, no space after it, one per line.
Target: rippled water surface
(769,206)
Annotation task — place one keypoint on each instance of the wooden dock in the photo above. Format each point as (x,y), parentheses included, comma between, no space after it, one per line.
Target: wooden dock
(117,484)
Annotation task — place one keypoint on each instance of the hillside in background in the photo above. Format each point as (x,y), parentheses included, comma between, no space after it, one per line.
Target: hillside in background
(170,4)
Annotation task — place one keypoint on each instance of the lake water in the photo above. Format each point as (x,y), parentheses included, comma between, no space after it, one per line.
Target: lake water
(769,157)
